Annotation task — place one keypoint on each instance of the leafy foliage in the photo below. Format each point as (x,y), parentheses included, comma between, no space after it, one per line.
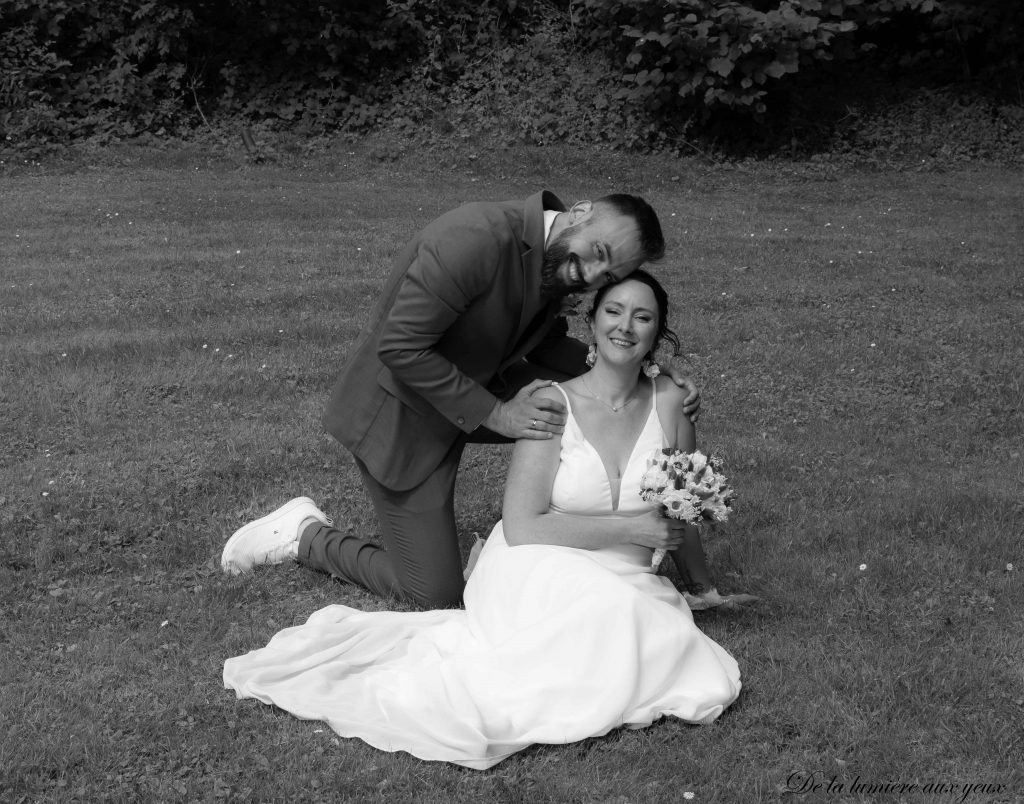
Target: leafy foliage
(633,73)
(715,54)
(72,68)
(932,125)
(543,88)
(706,55)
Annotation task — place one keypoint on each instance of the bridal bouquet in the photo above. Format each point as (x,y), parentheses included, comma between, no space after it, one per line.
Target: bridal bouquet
(688,486)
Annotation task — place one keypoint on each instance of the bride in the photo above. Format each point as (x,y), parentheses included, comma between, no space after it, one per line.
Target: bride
(566,633)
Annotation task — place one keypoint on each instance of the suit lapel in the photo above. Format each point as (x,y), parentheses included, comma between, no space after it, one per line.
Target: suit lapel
(531,304)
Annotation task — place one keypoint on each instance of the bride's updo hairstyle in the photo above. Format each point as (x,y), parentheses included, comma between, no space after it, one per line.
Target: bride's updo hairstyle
(665,333)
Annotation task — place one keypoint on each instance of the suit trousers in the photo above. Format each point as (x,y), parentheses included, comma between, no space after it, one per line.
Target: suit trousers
(420,560)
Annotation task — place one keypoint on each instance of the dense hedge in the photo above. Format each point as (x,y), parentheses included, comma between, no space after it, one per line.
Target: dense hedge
(651,73)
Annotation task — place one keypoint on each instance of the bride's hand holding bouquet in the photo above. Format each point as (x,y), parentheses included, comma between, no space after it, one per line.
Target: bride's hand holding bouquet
(690,488)
(686,486)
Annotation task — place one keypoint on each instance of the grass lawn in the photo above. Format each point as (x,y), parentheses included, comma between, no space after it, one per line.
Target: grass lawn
(171,321)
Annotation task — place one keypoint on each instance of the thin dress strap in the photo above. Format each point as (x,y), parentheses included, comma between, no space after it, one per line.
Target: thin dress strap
(665,440)
(568,404)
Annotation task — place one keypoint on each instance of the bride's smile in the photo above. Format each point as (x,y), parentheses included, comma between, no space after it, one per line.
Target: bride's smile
(625,325)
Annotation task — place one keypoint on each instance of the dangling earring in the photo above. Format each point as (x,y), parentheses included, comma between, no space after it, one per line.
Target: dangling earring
(592,355)
(650,368)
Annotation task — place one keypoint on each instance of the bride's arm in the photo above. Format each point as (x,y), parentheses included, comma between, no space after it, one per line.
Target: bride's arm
(525,515)
(689,558)
(674,421)
(527,518)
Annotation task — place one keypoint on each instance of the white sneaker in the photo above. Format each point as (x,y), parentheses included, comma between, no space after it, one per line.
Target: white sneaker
(270,540)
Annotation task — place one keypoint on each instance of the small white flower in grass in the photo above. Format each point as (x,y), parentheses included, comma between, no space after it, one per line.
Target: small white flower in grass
(862,567)
(872,346)
(1009,567)
(238,252)
(688,795)
(204,346)
(165,623)
(46,494)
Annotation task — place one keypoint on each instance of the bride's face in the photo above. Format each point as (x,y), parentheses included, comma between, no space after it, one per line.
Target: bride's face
(625,324)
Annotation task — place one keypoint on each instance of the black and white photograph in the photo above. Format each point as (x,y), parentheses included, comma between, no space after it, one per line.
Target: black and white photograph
(542,401)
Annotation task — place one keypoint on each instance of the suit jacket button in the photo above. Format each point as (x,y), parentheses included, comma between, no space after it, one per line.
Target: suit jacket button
(460,420)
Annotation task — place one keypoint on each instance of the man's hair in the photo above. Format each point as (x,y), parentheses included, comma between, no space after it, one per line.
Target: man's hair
(652,241)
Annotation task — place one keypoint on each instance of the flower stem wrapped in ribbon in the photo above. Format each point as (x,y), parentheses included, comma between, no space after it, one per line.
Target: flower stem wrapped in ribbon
(686,485)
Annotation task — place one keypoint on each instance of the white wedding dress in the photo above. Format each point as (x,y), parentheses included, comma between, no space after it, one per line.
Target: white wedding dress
(555,645)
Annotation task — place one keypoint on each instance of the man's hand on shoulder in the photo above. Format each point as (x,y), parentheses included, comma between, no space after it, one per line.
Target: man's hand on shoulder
(690,392)
(529,414)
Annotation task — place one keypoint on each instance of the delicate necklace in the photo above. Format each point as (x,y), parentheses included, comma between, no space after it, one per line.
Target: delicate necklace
(612,408)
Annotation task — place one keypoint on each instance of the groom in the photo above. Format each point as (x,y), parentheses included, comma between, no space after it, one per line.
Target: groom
(469,325)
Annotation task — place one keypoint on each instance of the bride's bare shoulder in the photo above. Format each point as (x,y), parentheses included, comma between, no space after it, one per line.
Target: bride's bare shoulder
(574,385)
(668,390)
(550,392)
(670,409)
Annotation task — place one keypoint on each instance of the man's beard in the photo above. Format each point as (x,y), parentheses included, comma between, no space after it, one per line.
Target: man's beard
(552,285)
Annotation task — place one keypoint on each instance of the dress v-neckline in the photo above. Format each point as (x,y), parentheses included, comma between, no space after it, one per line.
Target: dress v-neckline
(615,492)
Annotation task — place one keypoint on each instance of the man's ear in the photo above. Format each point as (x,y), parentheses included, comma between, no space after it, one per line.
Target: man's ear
(580,211)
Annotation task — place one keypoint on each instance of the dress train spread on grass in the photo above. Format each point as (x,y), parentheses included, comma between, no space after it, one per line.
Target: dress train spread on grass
(555,645)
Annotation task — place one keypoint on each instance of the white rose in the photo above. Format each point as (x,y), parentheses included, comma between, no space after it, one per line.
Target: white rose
(655,478)
(680,504)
